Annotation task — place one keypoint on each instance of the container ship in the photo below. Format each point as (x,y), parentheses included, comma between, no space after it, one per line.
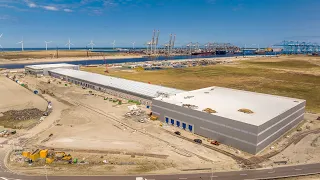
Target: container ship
(202,53)
(221,52)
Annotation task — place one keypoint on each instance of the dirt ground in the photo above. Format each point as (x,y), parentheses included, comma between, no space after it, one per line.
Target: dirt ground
(89,123)
(15,97)
(19,108)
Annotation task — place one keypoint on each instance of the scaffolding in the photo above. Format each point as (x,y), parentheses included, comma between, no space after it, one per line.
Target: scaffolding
(296,47)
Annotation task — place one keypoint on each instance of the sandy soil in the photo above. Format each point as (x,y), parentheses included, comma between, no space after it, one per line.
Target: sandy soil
(15,97)
(105,129)
(50,56)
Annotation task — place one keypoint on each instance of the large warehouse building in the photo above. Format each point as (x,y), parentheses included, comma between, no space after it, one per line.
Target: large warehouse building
(133,90)
(43,69)
(245,120)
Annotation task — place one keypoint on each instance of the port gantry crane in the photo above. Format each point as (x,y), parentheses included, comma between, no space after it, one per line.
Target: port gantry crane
(296,47)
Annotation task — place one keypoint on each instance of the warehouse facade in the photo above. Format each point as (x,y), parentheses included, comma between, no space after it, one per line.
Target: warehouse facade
(122,88)
(272,116)
(43,69)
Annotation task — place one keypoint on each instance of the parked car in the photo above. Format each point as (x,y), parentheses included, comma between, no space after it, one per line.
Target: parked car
(178,133)
(198,141)
(215,143)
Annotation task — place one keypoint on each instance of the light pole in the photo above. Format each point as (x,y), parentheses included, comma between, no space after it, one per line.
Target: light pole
(45,167)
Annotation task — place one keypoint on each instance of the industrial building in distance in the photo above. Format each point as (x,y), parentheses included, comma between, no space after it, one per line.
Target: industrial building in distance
(43,69)
(245,120)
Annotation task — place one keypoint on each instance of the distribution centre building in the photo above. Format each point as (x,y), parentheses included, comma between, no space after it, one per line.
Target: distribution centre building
(123,88)
(43,69)
(271,116)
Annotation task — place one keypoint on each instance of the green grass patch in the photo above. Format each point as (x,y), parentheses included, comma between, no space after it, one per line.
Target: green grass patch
(283,64)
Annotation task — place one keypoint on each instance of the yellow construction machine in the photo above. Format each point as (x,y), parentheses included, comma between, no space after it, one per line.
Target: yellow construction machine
(60,155)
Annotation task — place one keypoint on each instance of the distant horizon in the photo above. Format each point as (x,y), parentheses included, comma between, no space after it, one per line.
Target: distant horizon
(111,48)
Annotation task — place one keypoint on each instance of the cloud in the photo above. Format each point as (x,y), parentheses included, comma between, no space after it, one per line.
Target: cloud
(32,5)
(91,7)
(50,8)
(97,12)
(4,17)
(7,6)
(211,1)
(67,10)
(238,7)
(8,18)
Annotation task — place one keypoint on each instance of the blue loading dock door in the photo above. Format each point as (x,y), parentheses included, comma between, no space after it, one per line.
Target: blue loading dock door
(172,121)
(190,128)
(167,120)
(178,123)
(184,126)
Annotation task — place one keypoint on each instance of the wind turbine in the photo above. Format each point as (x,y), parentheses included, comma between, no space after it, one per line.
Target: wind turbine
(114,43)
(91,44)
(69,44)
(0,44)
(47,44)
(133,45)
(21,42)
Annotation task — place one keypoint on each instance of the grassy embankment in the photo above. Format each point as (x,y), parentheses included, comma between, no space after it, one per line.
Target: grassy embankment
(291,78)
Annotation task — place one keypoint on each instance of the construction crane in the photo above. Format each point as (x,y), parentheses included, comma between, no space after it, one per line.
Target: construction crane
(296,47)
(156,42)
(105,62)
(172,43)
(169,44)
(152,41)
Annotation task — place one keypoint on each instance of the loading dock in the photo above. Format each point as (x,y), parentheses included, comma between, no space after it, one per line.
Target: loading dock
(167,120)
(184,126)
(178,123)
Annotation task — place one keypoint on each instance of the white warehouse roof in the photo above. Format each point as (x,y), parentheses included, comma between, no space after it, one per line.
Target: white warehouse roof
(145,89)
(226,102)
(44,66)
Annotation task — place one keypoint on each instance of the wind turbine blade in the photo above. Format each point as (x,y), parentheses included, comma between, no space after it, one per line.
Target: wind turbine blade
(71,44)
(66,44)
(1,35)
(0,46)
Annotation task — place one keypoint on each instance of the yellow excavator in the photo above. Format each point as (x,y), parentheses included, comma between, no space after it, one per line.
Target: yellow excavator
(59,156)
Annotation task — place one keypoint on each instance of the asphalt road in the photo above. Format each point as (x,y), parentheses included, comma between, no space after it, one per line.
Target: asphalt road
(232,175)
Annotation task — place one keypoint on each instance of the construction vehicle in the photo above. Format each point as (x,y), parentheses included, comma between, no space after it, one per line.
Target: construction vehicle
(60,155)
(153,118)
(35,155)
(215,143)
